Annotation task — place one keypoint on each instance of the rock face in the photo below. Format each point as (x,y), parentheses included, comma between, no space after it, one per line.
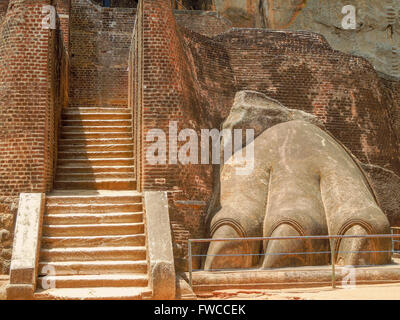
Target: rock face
(244,14)
(3,9)
(377,33)
(376,36)
(303,183)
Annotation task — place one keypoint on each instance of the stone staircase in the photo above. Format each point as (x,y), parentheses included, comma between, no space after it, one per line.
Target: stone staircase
(96,150)
(93,237)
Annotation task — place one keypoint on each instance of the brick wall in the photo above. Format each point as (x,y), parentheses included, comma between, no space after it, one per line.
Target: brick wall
(176,75)
(30,98)
(63,8)
(393,88)
(301,70)
(99,46)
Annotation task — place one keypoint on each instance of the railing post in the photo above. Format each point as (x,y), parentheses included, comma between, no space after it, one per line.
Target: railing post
(391,232)
(333,244)
(190,262)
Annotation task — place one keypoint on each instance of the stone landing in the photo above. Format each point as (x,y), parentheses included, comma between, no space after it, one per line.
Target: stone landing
(205,282)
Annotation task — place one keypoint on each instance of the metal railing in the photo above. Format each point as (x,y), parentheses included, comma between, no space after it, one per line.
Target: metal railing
(333,241)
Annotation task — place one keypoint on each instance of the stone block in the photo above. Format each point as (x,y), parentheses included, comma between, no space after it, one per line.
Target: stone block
(159,246)
(27,239)
(20,292)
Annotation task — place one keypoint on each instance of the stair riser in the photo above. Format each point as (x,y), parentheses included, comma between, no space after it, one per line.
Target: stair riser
(98,256)
(92,269)
(76,242)
(96,110)
(108,185)
(52,200)
(82,148)
(96,122)
(91,176)
(95,155)
(97,116)
(95,170)
(69,135)
(85,231)
(95,162)
(93,142)
(96,129)
(55,219)
(97,283)
(108,208)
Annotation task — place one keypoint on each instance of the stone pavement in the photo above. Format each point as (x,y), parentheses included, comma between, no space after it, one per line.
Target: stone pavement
(362,292)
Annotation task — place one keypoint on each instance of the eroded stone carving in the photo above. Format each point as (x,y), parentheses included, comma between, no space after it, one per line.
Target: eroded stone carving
(304,183)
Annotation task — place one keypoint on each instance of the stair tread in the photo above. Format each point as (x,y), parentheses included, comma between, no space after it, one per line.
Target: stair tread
(92,194)
(102,262)
(101,159)
(96,110)
(95,249)
(89,152)
(88,214)
(100,180)
(83,176)
(95,167)
(80,127)
(97,145)
(100,205)
(100,225)
(93,293)
(116,276)
(96,120)
(95,139)
(94,237)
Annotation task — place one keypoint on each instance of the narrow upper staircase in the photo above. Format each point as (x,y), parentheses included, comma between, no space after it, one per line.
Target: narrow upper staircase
(96,150)
(93,237)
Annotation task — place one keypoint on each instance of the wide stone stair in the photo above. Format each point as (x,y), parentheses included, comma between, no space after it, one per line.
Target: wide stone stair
(93,236)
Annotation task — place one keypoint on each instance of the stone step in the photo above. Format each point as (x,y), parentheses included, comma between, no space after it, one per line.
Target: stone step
(94,241)
(101,293)
(83,110)
(96,162)
(83,148)
(93,208)
(66,155)
(62,268)
(92,229)
(99,184)
(94,129)
(96,123)
(93,254)
(92,218)
(94,169)
(93,142)
(96,116)
(57,198)
(96,135)
(82,281)
(94,176)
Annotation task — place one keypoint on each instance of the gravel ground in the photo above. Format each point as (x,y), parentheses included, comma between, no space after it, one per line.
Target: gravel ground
(361,292)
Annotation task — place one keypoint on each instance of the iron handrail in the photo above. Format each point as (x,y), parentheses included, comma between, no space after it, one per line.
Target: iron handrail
(332,238)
